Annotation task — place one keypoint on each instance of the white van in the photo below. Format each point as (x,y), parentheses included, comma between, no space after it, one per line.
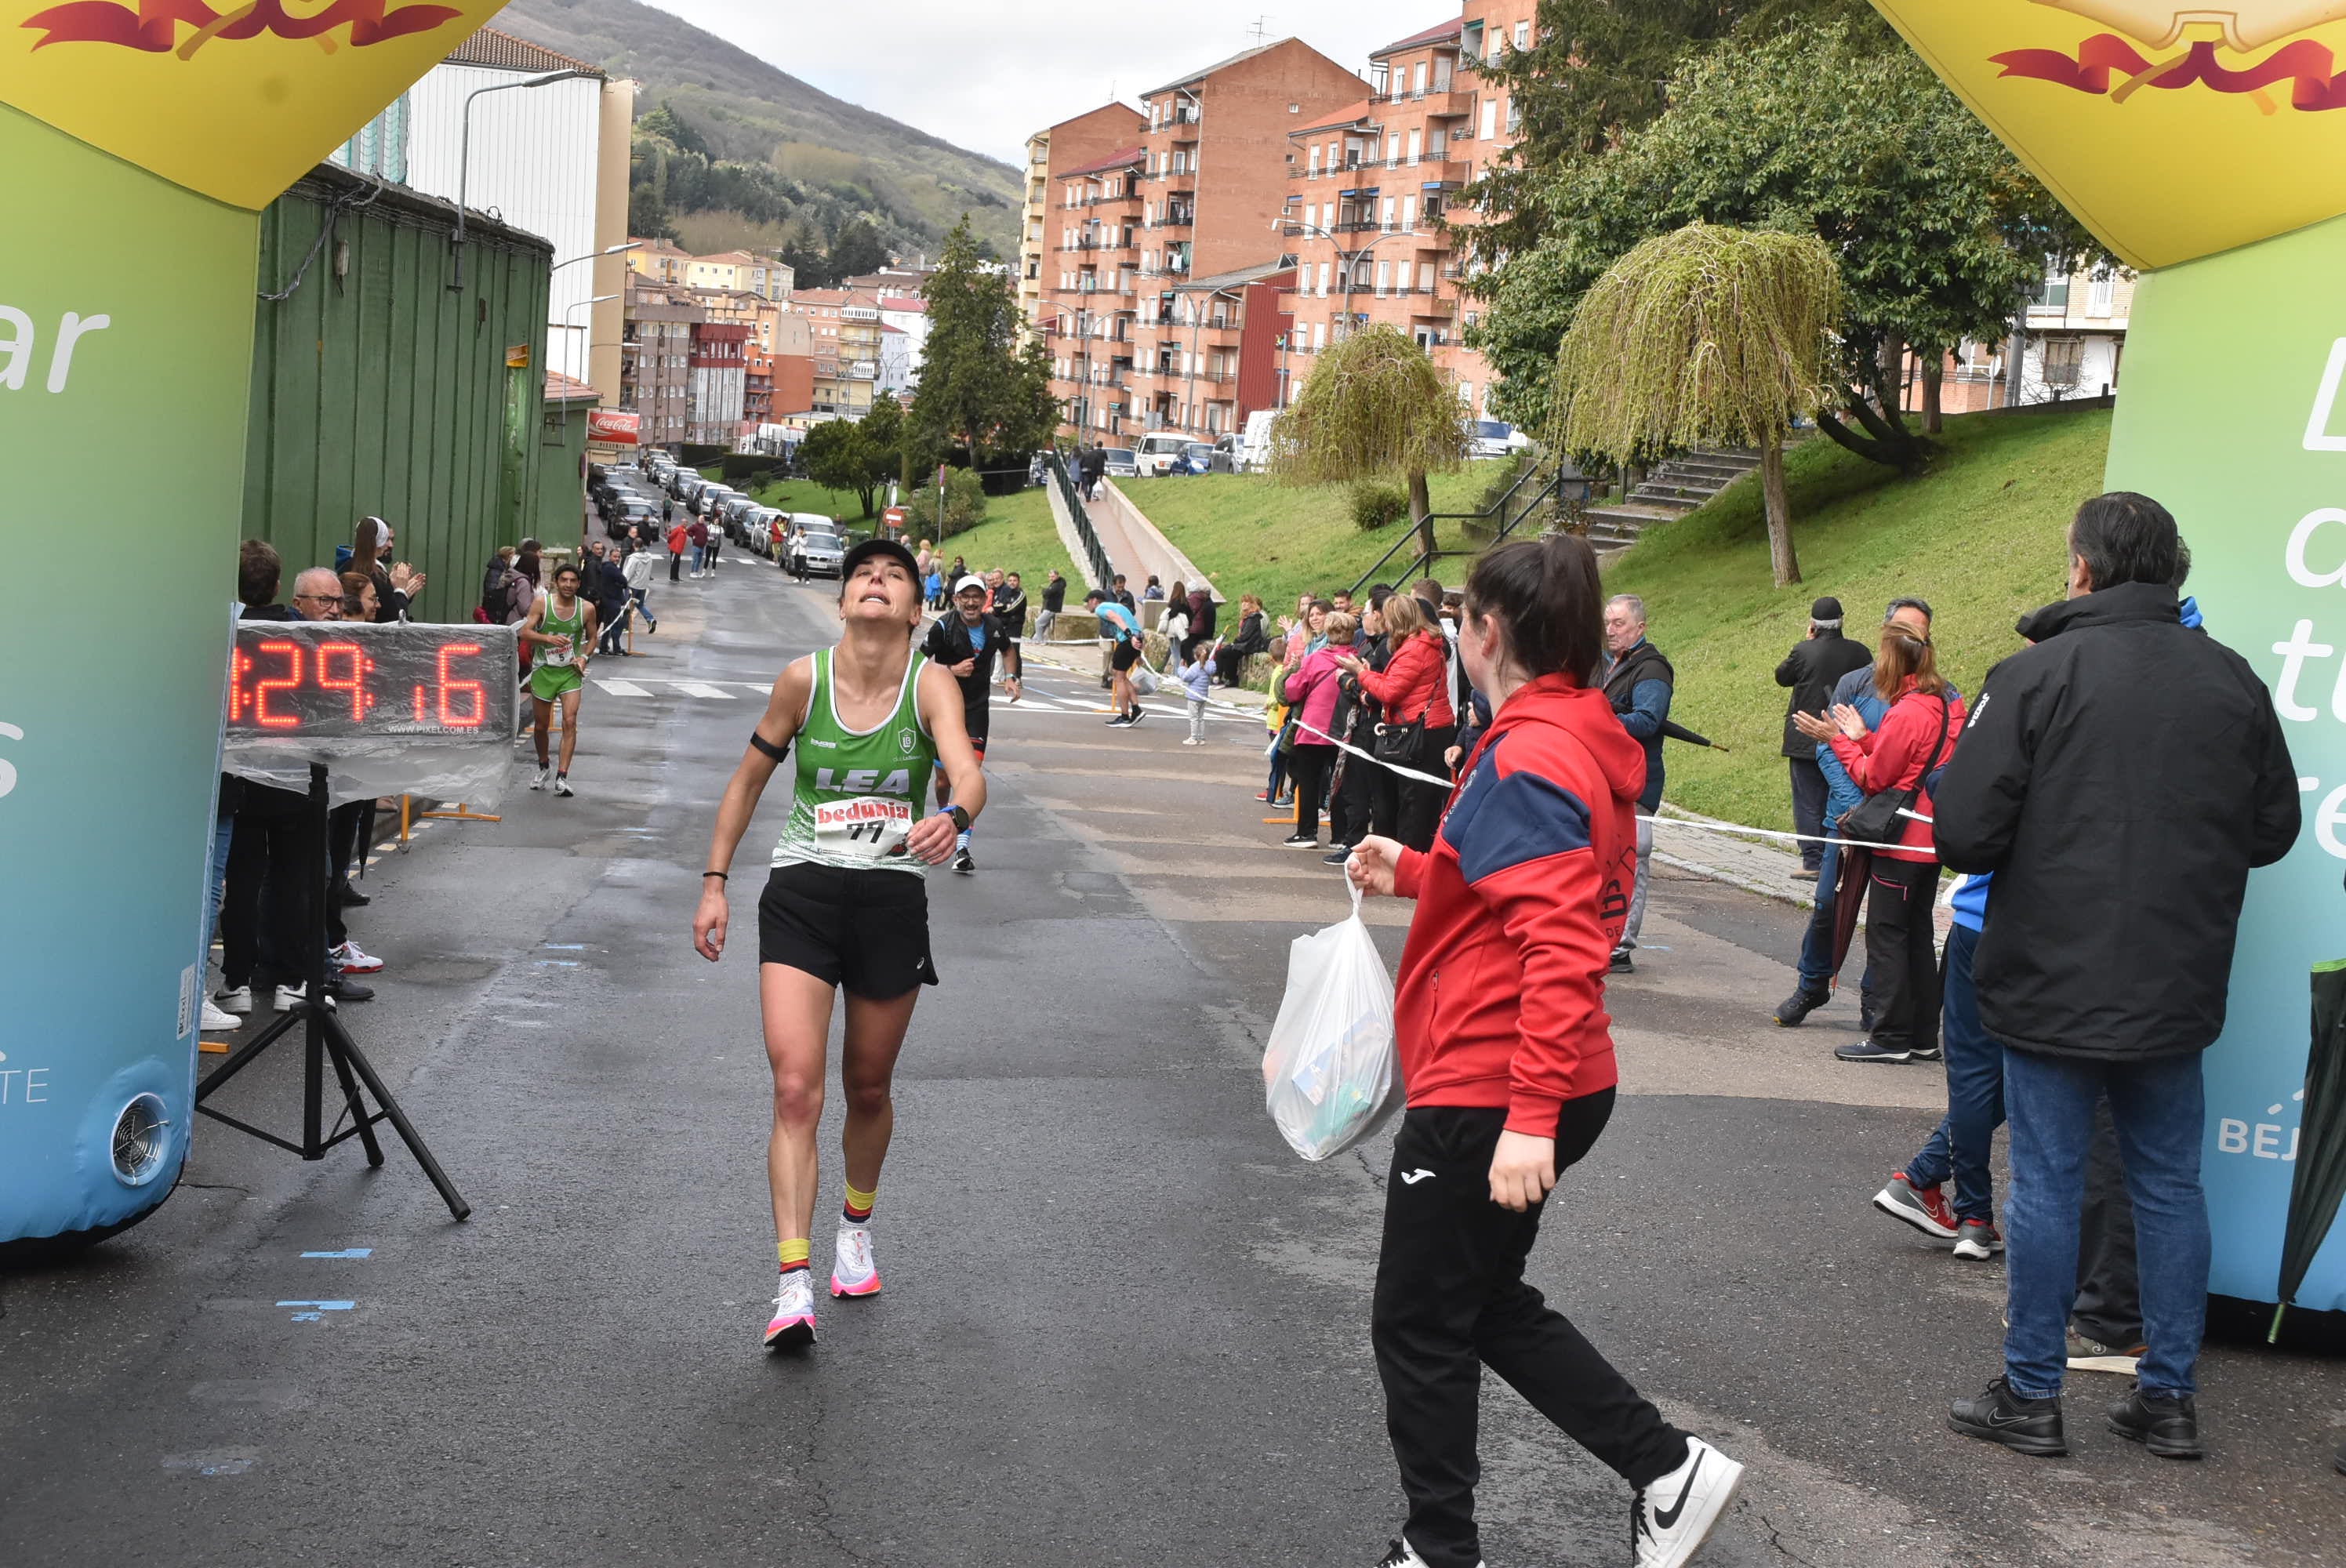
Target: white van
(1158,451)
(1254,446)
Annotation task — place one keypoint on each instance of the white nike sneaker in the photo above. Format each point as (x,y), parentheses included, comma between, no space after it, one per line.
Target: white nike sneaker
(1401,1555)
(852,1272)
(793,1328)
(1670,1520)
(543,774)
(213,1018)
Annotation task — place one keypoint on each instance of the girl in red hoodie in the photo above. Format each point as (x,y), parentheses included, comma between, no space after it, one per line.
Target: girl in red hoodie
(1506,1055)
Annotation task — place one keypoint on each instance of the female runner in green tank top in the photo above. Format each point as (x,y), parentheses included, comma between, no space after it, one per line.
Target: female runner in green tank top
(846,904)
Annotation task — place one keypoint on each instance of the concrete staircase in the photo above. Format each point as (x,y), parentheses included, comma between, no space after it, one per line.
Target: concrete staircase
(1670,490)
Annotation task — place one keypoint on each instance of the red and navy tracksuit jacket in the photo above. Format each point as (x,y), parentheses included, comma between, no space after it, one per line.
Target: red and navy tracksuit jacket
(1500,997)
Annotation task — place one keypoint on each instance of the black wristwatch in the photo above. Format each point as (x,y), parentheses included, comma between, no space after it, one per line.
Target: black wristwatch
(960,814)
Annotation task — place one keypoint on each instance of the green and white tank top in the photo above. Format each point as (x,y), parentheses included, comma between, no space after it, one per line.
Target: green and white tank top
(572,625)
(855,793)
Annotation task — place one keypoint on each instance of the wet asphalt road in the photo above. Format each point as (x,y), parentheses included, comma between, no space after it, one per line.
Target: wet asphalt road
(1122,1323)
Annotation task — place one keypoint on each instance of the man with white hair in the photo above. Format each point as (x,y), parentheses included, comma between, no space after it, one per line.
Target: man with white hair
(1637,682)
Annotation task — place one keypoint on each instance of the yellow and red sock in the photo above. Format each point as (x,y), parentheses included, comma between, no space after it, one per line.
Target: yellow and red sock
(858,1209)
(793,1254)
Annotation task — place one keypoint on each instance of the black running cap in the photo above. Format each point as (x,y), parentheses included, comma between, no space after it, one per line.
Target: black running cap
(861,553)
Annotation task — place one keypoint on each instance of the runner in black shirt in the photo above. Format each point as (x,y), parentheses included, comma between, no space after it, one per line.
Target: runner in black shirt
(1010,609)
(966,640)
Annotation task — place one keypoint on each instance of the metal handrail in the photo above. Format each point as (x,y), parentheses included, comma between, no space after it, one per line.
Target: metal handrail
(1102,573)
(1550,478)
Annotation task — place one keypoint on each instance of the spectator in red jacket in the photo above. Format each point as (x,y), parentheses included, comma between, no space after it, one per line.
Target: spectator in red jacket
(1507,1056)
(1904,883)
(1412,686)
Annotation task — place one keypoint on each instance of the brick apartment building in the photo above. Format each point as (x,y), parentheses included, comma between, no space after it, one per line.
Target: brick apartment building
(1372,214)
(1196,193)
(655,361)
(717,383)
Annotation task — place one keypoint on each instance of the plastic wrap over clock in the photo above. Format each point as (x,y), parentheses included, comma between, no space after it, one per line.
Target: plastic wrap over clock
(402,708)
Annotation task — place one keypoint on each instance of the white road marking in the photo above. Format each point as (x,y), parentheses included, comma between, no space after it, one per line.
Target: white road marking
(702,688)
(621,687)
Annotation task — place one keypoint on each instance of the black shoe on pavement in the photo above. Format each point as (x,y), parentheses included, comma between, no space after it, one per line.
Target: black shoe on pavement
(2001,1416)
(1336,856)
(2167,1424)
(343,988)
(963,863)
(1794,1010)
(1137,715)
(1872,1049)
(1302,841)
(1622,963)
(349,897)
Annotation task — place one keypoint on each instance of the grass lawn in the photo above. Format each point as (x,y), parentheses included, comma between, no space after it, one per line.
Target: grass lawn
(1252,535)
(806,496)
(1019,536)
(1980,536)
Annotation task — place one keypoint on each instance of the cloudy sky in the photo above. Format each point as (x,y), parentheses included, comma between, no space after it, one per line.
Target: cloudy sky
(985,74)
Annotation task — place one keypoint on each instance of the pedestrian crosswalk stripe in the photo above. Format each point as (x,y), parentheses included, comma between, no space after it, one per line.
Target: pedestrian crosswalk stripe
(702,688)
(622,687)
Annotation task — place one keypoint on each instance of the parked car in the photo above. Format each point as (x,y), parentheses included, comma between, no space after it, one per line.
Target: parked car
(1123,463)
(1197,457)
(1157,452)
(1494,438)
(820,551)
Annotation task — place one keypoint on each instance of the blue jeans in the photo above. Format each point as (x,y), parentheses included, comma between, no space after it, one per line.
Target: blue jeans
(223,836)
(2160,1108)
(1816,947)
(699,556)
(1959,1148)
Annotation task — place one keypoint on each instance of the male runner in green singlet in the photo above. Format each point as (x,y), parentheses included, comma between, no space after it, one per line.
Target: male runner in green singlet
(966,641)
(560,631)
(846,904)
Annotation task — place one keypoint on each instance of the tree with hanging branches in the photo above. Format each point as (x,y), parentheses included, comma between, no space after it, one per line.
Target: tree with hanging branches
(1373,408)
(1707,334)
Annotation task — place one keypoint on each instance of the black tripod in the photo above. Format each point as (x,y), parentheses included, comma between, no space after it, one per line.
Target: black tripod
(325,1039)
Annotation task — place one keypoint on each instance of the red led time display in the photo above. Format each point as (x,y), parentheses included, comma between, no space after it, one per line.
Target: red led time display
(329,679)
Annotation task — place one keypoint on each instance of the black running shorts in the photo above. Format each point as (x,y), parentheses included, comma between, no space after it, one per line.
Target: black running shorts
(1124,657)
(866,933)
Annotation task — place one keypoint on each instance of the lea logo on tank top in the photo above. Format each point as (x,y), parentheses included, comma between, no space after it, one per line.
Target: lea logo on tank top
(863,781)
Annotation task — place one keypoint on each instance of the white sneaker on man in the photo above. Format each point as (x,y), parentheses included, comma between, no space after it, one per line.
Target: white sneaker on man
(289,997)
(852,1271)
(213,1018)
(1670,1520)
(543,774)
(352,959)
(233,998)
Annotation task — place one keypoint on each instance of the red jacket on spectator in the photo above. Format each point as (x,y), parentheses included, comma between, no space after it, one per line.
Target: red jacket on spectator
(1413,681)
(1893,756)
(1501,995)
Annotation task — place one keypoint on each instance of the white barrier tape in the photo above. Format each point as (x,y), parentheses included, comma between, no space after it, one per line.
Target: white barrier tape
(1728,827)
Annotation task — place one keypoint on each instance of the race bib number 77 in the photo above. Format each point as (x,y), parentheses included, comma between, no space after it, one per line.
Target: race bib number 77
(867,828)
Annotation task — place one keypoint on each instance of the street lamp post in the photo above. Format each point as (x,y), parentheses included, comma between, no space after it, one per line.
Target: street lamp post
(1196,321)
(465,153)
(1349,258)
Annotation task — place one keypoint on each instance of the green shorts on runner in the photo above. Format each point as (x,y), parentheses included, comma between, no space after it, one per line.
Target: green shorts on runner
(549,681)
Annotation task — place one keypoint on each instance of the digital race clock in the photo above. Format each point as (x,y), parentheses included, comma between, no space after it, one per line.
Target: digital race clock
(327,680)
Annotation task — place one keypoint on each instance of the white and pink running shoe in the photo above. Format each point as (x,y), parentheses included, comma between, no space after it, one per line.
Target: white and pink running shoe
(793,1325)
(852,1272)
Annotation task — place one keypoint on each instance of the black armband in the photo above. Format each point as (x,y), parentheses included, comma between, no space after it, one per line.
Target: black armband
(779,753)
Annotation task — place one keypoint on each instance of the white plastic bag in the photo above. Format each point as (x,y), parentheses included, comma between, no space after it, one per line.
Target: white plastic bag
(1143,680)
(1331,1072)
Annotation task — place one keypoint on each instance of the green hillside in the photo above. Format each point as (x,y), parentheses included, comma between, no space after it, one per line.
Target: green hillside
(1980,536)
(832,160)
(1252,535)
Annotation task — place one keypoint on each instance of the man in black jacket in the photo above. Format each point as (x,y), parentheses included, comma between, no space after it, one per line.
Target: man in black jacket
(966,640)
(1810,669)
(2120,777)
